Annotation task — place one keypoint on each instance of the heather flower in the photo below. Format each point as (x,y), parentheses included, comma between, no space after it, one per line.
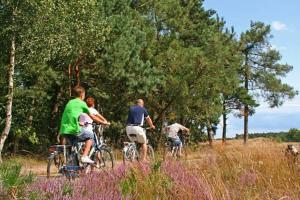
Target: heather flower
(97,185)
(186,182)
(248,178)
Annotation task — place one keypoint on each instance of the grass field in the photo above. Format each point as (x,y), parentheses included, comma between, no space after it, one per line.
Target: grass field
(258,170)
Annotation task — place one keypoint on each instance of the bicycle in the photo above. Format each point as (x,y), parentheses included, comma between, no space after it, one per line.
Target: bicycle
(130,151)
(65,159)
(172,150)
(105,158)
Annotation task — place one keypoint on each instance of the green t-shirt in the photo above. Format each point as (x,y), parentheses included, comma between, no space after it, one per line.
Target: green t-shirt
(69,122)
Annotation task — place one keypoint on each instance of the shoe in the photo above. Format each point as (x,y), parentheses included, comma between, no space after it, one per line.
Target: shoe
(86,159)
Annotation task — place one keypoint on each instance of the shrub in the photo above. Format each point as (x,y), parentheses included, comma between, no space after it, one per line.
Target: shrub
(11,181)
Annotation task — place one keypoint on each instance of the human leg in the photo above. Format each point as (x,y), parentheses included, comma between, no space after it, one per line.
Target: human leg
(86,136)
(177,142)
(138,134)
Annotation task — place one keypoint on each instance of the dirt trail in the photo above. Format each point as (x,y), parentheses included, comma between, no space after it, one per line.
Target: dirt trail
(39,167)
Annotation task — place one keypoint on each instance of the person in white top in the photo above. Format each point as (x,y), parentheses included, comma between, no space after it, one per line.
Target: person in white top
(85,121)
(172,133)
(90,101)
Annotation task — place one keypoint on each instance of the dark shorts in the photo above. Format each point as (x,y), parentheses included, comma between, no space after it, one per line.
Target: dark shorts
(175,142)
(81,137)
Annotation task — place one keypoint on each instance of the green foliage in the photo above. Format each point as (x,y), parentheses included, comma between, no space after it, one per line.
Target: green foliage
(129,185)
(67,189)
(262,70)
(11,180)
(293,135)
(176,55)
(10,175)
(153,184)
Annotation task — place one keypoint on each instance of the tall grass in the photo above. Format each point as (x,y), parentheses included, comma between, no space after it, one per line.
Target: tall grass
(256,171)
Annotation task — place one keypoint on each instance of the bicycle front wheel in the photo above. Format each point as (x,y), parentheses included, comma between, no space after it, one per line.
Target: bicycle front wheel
(150,152)
(104,158)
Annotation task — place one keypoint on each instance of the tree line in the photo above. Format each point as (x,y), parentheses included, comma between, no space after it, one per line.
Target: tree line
(293,135)
(175,54)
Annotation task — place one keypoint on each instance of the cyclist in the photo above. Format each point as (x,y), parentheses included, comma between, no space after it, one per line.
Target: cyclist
(90,101)
(70,126)
(86,121)
(172,133)
(135,121)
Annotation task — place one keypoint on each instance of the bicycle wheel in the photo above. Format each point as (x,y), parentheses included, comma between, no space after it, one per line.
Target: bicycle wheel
(55,162)
(107,158)
(104,159)
(150,152)
(131,154)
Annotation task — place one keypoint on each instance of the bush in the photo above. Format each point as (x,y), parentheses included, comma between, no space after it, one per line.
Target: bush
(11,181)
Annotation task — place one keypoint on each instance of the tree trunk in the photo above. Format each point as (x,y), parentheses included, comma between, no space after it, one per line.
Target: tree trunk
(11,69)
(246,107)
(246,121)
(77,69)
(55,110)
(16,144)
(224,115)
(224,128)
(210,137)
(77,73)
(70,79)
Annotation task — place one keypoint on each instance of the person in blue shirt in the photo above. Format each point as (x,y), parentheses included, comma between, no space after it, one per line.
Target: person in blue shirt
(134,128)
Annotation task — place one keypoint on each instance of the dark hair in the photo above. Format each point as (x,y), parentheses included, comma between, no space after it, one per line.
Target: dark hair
(90,97)
(78,91)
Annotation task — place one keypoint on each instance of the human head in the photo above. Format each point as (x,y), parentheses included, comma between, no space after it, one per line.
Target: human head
(90,101)
(166,129)
(140,102)
(79,92)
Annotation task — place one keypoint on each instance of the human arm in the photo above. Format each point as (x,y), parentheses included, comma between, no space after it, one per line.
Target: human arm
(185,129)
(148,119)
(150,123)
(102,118)
(97,119)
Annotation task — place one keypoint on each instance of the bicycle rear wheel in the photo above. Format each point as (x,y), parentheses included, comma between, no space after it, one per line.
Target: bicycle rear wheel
(55,162)
(130,155)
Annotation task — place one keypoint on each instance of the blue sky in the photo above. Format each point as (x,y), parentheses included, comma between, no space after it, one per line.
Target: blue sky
(284,16)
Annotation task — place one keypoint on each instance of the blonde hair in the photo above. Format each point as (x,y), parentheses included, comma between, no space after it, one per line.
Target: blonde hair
(78,91)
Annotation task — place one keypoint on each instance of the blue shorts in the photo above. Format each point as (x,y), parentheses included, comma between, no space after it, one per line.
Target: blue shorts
(175,142)
(85,135)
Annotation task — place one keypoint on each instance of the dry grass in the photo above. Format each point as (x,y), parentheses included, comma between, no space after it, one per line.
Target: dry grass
(258,170)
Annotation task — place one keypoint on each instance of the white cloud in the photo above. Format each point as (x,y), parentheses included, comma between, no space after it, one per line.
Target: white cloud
(279,26)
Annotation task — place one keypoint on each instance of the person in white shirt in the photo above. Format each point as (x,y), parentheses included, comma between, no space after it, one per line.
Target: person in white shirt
(172,133)
(85,121)
(90,101)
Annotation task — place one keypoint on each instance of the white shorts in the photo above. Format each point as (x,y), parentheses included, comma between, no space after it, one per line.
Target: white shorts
(136,134)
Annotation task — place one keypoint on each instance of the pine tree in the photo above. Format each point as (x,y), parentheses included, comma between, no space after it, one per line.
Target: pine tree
(261,70)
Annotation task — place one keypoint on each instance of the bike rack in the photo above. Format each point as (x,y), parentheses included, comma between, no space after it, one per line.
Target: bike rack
(70,171)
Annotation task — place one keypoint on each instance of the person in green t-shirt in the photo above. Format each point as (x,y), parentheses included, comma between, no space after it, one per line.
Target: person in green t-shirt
(70,125)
